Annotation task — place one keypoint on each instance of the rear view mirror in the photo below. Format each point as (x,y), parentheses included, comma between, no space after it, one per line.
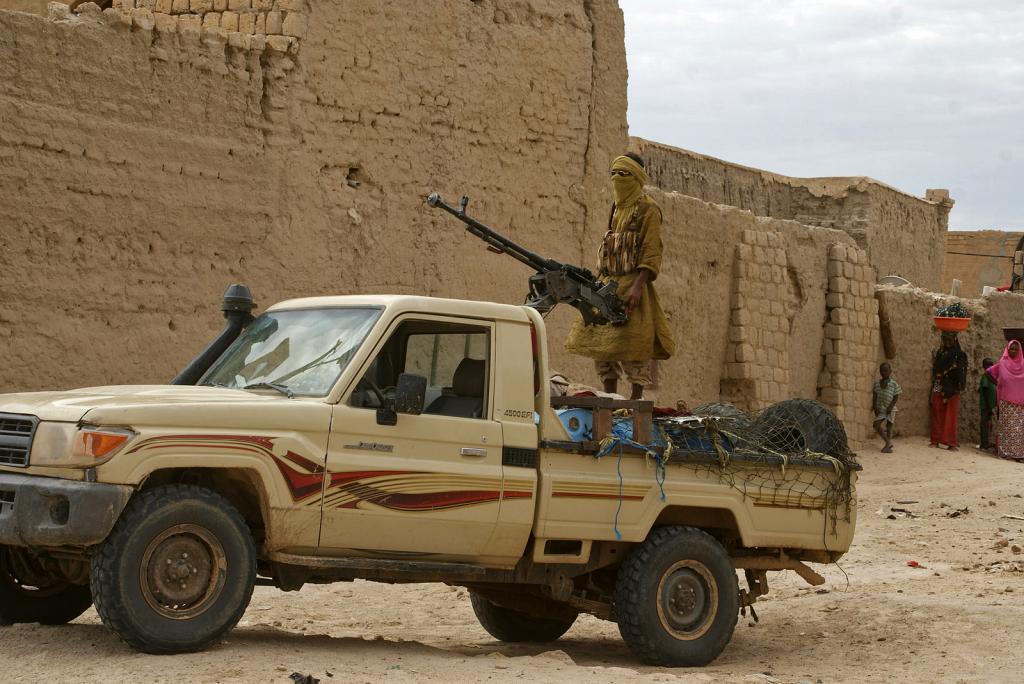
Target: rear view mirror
(410,394)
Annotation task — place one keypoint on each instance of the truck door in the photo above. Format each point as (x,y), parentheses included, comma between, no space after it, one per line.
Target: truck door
(431,484)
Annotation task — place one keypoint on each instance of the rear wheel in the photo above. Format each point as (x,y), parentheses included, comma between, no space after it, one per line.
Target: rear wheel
(506,624)
(177,572)
(676,598)
(30,593)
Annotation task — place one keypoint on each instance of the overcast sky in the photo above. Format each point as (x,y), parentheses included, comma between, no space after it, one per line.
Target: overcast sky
(919,94)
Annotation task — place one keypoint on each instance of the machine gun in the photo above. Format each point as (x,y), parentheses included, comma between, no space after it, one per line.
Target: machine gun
(554,282)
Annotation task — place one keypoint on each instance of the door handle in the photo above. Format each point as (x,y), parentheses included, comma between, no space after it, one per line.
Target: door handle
(473,451)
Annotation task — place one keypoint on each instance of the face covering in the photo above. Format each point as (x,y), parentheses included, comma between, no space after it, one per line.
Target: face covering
(630,188)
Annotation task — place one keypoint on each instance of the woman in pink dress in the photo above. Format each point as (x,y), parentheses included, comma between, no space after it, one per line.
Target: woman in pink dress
(1009,376)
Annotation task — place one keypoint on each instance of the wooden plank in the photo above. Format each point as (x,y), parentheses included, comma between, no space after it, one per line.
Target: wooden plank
(642,426)
(602,402)
(602,423)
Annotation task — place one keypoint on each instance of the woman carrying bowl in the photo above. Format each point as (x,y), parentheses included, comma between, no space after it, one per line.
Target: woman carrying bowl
(949,378)
(1008,373)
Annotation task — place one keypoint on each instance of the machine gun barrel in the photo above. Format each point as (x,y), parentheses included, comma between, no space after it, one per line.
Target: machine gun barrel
(554,282)
(496,241)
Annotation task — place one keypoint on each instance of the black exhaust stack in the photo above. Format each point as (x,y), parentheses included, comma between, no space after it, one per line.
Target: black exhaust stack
(237,307)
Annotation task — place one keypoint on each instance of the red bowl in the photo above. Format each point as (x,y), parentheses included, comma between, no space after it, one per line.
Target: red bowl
(947,324)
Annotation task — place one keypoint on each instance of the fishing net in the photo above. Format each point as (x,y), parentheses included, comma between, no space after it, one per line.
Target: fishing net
(793,454)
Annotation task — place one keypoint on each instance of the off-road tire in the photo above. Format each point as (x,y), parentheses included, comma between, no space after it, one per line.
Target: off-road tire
(128,595)
(505,624)
(647,609)
(796,425)
(56,603)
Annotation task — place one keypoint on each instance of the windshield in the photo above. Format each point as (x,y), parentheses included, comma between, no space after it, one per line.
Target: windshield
(301,352)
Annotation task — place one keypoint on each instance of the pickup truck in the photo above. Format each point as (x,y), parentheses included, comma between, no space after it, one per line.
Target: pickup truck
(394,439)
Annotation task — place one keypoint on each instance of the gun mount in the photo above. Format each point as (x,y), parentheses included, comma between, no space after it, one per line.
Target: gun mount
(554,282)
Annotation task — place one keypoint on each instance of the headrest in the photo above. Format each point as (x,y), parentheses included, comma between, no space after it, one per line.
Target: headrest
(469,378)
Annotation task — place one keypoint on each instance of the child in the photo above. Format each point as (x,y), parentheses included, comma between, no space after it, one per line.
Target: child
(987,403)
(886,391)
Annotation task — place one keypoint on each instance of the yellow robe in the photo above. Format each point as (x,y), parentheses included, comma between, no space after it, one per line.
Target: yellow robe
(636,232)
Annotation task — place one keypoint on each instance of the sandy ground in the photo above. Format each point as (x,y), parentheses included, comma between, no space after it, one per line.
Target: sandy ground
(957,618)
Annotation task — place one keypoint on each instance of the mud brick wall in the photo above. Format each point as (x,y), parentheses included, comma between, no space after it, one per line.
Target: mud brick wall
(978,258)
(903,234)
(145,165)
(279,20)
(757,358)
(850,347)
(908,313)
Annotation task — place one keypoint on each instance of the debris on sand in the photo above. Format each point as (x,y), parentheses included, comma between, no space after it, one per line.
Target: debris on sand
(958,512)
(300,678)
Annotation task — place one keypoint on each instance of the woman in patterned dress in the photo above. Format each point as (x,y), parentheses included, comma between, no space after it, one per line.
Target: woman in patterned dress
(1009,376)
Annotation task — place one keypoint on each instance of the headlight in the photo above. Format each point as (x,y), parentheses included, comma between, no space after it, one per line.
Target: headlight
(65,445)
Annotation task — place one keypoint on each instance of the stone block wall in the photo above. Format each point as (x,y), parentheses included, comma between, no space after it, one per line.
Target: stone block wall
(850,347)
(746,299)
(757,358)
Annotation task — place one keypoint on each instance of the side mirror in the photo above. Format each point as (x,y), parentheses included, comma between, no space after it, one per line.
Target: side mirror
(410,394)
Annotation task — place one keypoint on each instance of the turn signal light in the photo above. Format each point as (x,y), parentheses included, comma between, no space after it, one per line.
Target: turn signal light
(99,443)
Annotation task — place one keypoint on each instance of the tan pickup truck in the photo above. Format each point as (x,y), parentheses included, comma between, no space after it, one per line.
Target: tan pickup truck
(396,439)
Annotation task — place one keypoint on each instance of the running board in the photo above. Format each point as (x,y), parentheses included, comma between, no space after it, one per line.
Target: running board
(394,570)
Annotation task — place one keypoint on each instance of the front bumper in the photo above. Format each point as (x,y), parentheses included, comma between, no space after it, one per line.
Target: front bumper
(46,511)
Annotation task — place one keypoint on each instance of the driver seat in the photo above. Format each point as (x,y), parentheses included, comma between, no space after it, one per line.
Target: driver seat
(467,398)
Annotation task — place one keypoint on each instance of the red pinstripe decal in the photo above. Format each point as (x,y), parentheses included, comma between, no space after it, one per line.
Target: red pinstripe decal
(592,495)
(353,475)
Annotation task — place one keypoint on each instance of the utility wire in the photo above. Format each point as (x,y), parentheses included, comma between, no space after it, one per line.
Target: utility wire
(990,256)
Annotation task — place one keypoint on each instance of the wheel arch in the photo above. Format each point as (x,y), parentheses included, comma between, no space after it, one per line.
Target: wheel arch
(242,487)
(720,523)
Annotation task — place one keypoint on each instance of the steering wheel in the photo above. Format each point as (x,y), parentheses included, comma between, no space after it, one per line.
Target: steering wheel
(373,388)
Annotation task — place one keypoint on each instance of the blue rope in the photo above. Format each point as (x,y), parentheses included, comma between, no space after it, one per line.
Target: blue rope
(618,509)
(622,436)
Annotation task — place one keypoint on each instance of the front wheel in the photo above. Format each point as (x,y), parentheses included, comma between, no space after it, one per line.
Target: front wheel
(29,593)
(177,572)
(676,598)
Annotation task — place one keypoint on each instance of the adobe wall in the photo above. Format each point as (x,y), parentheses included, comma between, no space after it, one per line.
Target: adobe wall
(979,258)
(750,300)
(30,6)
(219,142)
(904,235)
(149,159)
(908,313)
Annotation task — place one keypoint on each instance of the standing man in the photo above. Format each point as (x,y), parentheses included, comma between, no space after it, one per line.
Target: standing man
(630,254)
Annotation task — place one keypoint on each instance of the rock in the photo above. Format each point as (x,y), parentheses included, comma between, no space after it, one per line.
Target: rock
(559,656)
(58,11)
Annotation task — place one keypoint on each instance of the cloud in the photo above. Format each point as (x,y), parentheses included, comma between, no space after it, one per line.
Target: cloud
(916,94)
